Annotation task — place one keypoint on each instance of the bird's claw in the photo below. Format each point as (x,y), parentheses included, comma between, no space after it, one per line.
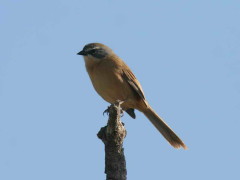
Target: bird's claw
(106,111)
(108,108)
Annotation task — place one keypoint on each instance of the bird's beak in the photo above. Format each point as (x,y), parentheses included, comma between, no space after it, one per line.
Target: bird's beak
(83,53)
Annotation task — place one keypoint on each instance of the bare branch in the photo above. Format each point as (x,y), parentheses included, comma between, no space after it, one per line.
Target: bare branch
(113,136)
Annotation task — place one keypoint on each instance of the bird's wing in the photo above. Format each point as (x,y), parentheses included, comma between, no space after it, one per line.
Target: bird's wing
(133,82)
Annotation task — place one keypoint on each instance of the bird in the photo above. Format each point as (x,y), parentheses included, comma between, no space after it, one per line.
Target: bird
(115,82)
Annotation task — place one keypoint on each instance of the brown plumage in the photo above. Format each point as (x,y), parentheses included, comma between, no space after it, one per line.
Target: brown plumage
(113,80)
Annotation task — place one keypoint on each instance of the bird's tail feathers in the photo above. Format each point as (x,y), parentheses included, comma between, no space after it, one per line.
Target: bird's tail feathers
(164,129)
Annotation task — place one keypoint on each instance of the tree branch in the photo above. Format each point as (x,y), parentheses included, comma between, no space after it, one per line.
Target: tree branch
(113,136)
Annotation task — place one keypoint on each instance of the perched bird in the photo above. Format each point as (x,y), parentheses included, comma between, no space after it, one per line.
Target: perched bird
(114,81)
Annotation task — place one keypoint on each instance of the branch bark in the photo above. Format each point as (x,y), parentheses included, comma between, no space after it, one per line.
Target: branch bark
(113,136)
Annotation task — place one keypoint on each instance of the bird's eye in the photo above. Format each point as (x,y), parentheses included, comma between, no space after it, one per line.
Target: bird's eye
(93,51)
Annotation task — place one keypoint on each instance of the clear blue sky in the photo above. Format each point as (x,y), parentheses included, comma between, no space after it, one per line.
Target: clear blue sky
(186,54)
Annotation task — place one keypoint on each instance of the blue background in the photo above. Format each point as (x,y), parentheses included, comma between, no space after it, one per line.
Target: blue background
(186,54)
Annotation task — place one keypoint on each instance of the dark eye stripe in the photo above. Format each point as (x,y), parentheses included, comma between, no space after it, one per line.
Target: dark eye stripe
(98,53)
(93,51)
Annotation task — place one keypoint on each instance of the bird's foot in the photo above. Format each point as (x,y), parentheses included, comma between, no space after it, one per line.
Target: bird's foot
(106,111)
(117,103)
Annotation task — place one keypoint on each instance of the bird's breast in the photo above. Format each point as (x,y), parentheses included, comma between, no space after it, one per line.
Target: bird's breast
(108,82)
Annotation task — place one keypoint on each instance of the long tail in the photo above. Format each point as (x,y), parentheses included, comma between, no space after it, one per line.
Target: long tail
(164,129)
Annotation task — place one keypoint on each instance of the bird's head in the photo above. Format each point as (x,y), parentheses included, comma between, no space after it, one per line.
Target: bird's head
(95,50)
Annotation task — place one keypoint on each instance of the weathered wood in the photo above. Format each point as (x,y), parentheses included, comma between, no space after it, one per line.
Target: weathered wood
(113,136)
